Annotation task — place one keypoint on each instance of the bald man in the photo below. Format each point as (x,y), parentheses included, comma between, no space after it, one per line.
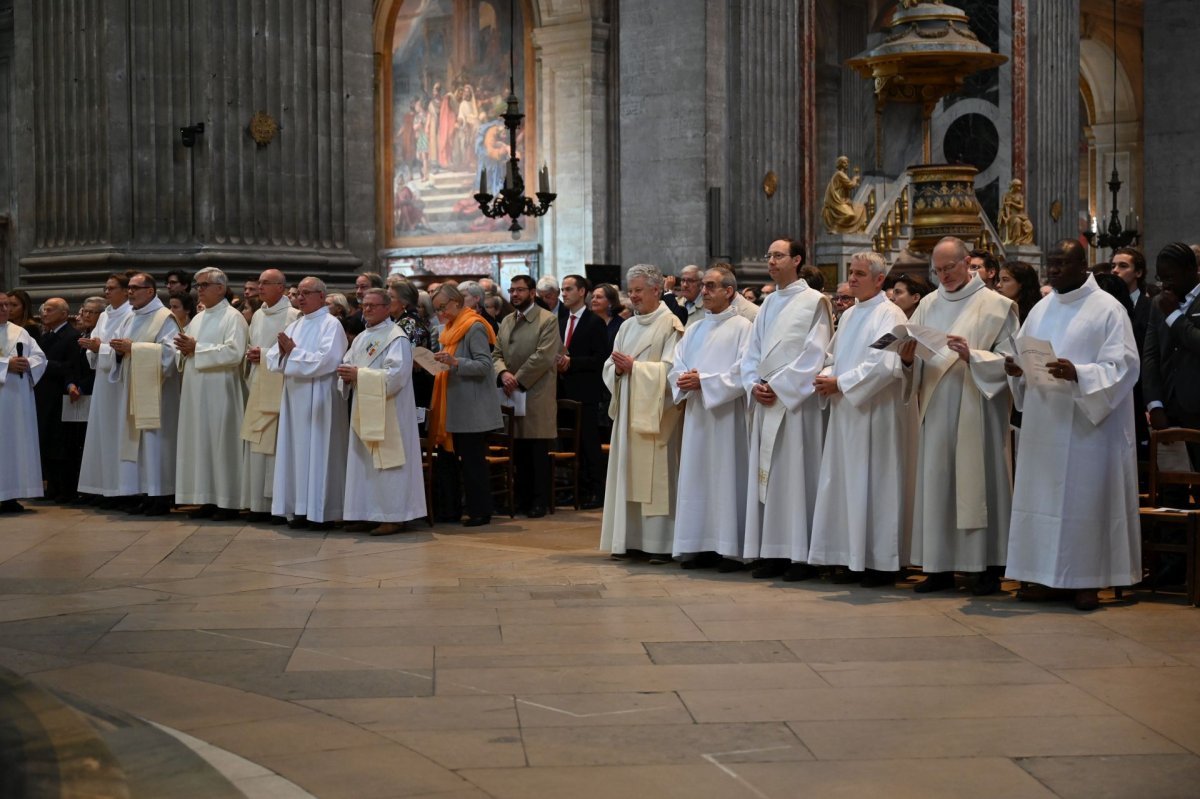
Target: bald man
(58,343)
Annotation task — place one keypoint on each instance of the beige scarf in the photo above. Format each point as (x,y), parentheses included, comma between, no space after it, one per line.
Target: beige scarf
(373,418)
(145,385)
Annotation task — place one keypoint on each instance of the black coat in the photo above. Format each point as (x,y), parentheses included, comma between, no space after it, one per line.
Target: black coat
(1171,364)
(589,349)
(61,354)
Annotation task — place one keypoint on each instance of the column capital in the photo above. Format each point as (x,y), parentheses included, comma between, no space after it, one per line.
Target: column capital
(563,41)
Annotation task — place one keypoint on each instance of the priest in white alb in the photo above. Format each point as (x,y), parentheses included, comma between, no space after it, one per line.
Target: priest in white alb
(964,488)
(260,424)
(864,506)
(99,471)
(21,366)
(786,353)
(208,465)
(148,407)
(385,486)
(643,461)
(710,504)
(1075,501)
(310,455)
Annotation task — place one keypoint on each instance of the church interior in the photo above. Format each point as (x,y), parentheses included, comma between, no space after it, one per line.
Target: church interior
(329,138)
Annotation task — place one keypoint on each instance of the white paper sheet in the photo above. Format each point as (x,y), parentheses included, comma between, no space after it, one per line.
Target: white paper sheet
(516,401)
(1033,355)
(423,357)
(76,411)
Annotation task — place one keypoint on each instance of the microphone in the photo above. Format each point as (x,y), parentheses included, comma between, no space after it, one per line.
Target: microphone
(21,354)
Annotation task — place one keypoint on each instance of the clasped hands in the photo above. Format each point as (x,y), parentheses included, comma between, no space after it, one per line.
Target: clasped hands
(508,383)
(1061,369)
(185,344)
(348,373)
(622,362)
(689,381)
(286,343)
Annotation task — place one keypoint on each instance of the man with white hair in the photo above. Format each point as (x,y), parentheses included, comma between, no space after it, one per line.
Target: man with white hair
(690,278)
(314,422)
(260,425)
(643,463)
(21,366)
(208,461)
(58,345)
(547,293)
(964,484)
(861,521)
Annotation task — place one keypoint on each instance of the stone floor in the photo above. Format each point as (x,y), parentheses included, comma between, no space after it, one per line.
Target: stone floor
(518,662)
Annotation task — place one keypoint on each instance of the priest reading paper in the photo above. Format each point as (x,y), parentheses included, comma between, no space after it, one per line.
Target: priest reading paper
(786,353)
(310,466)
(643,462)
(21,366)
(863,503)
(384,484)
(99,473)
(1075,502)
(710,505)
(208,465)
(148,409)
(260,424)
(964,492)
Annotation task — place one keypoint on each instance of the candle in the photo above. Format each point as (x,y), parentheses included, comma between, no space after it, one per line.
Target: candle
(508,175)
(483,181)
(544,180)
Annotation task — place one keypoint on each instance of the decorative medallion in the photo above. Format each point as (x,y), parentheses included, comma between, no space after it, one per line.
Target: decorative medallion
(263,128)
(770,184)
(1056,210)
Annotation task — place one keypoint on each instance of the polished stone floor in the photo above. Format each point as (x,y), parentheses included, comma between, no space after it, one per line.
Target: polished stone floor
(517,662)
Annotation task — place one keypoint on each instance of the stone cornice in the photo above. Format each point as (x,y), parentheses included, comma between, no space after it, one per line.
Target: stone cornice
(566,38)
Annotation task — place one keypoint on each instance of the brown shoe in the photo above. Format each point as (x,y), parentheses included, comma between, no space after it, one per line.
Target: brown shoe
(390,528)
(1087,599)
(360,527)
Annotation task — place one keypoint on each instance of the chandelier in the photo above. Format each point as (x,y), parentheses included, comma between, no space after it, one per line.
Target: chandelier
(512,201)
(1115,235)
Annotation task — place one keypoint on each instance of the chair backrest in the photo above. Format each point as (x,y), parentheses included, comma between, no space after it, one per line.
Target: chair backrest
(569,435)
(503,437)
(1159,478)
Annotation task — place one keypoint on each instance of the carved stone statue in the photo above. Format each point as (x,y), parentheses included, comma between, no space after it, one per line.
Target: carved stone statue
(839,213)
(1015,225)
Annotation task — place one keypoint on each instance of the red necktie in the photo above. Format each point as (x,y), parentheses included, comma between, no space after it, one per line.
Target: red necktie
(570,330)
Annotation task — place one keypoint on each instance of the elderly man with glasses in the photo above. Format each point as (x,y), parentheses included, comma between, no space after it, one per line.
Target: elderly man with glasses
(58,343)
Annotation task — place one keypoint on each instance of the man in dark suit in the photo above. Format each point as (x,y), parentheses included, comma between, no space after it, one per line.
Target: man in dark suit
(1171,353)
(585,349)
(1130,265)
(81,378)
(58,342)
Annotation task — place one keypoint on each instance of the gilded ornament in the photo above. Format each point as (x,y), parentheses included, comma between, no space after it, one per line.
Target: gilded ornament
(840,214)
(770,184)
(263,128)
(1015,226)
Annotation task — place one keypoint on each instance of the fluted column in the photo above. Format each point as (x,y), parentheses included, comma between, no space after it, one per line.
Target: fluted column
(1053,127)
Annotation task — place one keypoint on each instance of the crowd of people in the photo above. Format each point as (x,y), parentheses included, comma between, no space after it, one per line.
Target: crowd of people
(786,432)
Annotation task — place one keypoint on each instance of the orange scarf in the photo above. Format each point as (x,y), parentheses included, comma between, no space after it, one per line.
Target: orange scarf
(450,337)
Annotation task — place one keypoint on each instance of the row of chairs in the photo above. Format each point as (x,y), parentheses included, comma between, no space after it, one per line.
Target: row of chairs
(1171,531)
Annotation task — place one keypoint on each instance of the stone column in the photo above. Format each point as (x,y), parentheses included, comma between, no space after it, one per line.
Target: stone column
(1053,126)
(7,273)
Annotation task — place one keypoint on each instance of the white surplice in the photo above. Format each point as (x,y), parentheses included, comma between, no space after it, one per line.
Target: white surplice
(863,505)
(1075,503)
(648,526)
(964,489)
(787,350)
(101,466)
(208,466)
(153,473)
(21,464)
(310,455)
(258,469)
(710,501)
(396,494)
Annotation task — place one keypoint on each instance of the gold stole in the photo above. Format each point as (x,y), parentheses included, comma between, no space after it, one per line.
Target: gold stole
(652,422)
(145,385)
(373,418)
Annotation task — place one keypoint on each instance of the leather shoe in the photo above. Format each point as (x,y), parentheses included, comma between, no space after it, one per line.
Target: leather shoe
(658,558)
(278,521)
(477,521)
(536,512)
(1087,599)
(846,577)
(936,581)
(360,527)
(321,526)
(729,566)
(157,506)
(986,582)
(258,517)
(798,572)
(390,528)
(225,515)
(770,568)
(11,506)
(877,579)
(704,560)
(203,512)
(298,523)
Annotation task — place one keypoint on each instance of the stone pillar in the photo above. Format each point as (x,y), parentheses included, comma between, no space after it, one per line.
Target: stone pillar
(1172,61)
(7,272)
(1053,120)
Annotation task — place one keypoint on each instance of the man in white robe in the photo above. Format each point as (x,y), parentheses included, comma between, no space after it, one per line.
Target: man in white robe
(99,472)
(786,353)
(260,425)
(710,505)
(148,407)
(385,487)
(1075,500)
(310,465)
(964,488)
(21,366)
(863,508)
(643,461)
(208,466)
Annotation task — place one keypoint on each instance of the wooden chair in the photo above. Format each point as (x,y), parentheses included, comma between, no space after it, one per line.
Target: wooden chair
(1187,521)
(427,474)
(564,452)
(501,468)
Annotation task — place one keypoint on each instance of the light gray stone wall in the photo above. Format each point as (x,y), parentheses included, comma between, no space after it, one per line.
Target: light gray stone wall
(7,273)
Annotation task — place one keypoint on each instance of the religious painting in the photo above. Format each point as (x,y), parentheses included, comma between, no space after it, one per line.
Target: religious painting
(447,84)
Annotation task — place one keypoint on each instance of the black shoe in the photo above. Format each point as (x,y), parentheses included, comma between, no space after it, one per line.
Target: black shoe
(729,566)
(704,560)
(225,515)
(658,558)
(157,506)
(936,581)
(278,521)
(877,579)
(536,512)
(799,571)
(987,582)
(298,523)
(134,507)
(203,512)
(360,527)
(11,506)
(477,521)
(770,568)
(106,503)
(258,517)
(321,527)
(846,577)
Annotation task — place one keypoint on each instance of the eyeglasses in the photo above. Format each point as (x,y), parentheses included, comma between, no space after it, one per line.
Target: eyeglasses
(202,286)
(108,289)
(843,298)
(310,291)
(689,280)
(270,283)
(138,288)
(775,256)
(372,305)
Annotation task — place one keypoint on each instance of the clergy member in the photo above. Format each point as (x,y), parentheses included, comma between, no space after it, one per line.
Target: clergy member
(21,366)
(964,488)
(1075,499)
(208,465)
(785,355)
(710,509)
(643,462)
(384,483)
(310,465)
(99,471)
(260,425)
(861,522)
(148,407)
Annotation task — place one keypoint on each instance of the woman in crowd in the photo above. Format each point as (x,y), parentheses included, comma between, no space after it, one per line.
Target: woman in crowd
(182,307)
(1019,282)
(464,408)
(606,303)
(907,291)
(404,312)
(19,303)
